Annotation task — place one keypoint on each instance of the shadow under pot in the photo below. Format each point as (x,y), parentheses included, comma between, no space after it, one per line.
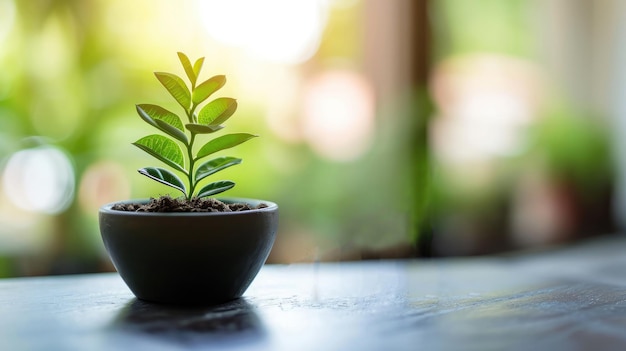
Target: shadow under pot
(189,257)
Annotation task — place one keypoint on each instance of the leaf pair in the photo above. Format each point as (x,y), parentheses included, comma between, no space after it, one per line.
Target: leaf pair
(206,169)
(179,90)
(168,178)
(167,151)
(191,71)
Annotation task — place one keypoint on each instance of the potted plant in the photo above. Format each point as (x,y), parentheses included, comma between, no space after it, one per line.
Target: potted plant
(193,249)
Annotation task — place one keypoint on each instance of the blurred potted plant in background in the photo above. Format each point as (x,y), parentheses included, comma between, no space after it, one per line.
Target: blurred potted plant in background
(193,249)
(573,183)
(558,187)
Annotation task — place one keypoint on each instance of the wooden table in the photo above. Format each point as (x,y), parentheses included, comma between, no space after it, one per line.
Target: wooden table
(569,299)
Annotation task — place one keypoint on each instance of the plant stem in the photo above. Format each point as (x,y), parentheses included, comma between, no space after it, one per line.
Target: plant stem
(190,115)
(192,185)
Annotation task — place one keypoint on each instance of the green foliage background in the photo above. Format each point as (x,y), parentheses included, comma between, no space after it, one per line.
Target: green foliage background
(71,73)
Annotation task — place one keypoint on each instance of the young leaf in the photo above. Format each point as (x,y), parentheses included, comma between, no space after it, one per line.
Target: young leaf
(202,129)
(217,111)
(215,188)
(164,176)
(162,119)
(224,142)
(184,60)
(215,165)
(198,66)
(206,88)
(163,149)
(176,87)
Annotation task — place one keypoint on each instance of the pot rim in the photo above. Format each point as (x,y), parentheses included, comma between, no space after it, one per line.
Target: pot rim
(271,206)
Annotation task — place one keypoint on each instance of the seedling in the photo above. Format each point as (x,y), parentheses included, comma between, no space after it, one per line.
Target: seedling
(208,120)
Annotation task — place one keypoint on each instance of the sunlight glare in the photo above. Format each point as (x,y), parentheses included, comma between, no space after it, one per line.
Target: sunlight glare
(282,31)
(7,18)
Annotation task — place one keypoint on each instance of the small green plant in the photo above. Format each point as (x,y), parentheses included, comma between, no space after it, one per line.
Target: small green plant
(208,120)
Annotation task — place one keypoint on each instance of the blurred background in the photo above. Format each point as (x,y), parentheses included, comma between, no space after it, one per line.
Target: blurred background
(388,129)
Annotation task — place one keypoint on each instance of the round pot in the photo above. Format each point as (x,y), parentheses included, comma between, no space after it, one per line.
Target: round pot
(191,257)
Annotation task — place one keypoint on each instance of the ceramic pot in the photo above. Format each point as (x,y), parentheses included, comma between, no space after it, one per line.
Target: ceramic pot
(189,258)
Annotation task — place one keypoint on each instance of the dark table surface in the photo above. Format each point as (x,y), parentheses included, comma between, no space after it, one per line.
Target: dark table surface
(572,298)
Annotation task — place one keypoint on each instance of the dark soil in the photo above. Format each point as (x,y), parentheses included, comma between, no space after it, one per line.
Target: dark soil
(168,204)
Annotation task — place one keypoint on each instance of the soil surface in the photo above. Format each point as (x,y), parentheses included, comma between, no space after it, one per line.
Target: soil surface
(168,204)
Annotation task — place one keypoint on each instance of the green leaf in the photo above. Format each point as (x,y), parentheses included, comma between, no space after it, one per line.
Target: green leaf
(163,149)
(162,119)
(198,66)
(184,60)
(215,165)
(224,142)
(202,129)
(164,176)
(171,131)
(217,111)
(206,88)
(158,112)
(176,87)
(215,188)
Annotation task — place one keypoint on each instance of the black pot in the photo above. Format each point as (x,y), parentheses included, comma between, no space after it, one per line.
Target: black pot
(189,258)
